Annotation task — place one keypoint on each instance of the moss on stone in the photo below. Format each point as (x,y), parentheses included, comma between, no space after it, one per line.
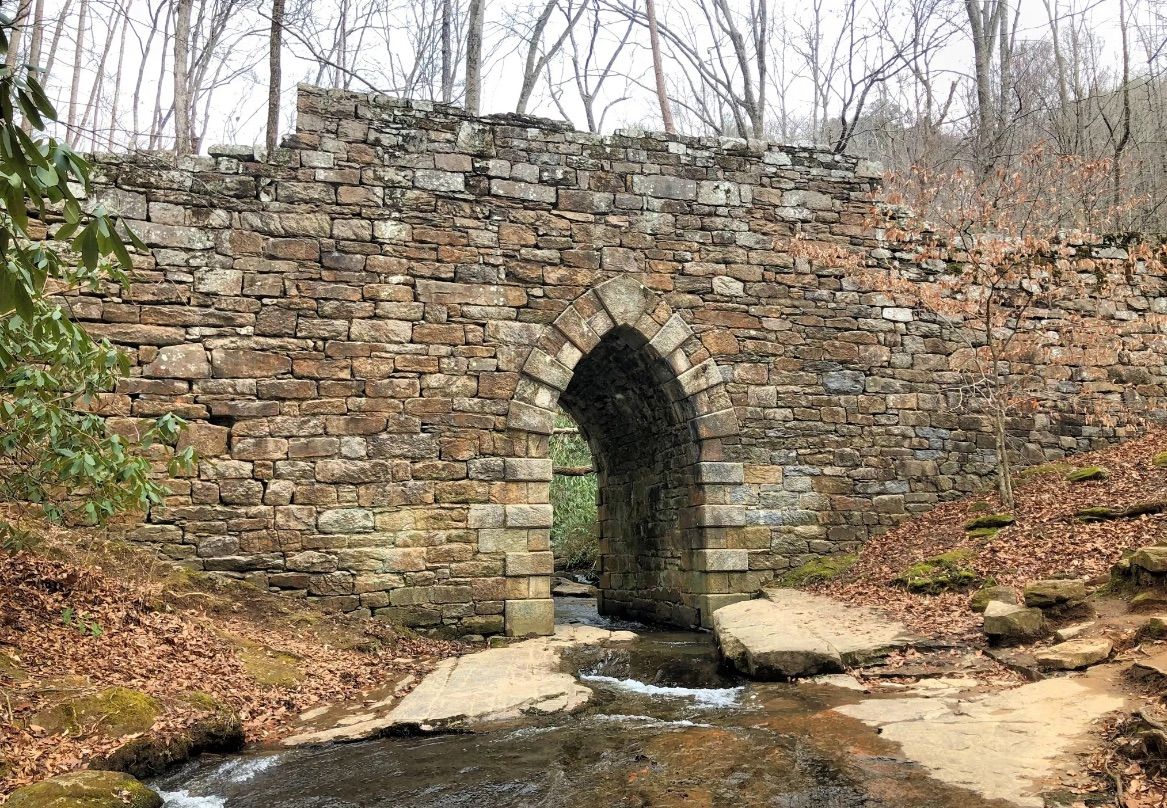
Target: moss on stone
(271,668)
(1159,461)
(113,712)
(994,520)
(1060,469)
(218,730)
(939,573)
(86,789)
(817,570)
(1087,473)
(980,507)
(11,669)
(983,532)
(980,599)
(1102,513)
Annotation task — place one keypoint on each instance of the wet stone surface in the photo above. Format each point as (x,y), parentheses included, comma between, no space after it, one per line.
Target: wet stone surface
(666,726)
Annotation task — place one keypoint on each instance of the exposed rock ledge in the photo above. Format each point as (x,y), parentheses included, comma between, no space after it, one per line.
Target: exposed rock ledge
(1001,745)
(788,633)
(491,685)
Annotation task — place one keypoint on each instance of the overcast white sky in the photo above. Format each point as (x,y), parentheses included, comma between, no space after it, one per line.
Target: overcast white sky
(235,112)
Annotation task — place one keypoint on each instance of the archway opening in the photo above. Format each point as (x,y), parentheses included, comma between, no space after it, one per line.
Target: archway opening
(575,529)
(637,423)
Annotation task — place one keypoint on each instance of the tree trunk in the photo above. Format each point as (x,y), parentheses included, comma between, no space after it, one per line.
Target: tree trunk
(35,41)
(1004,469)
(474,58)
(75,84)
(1125,127)
(658,71)
(275,45)
(182,100)
(447,51)
(19,23)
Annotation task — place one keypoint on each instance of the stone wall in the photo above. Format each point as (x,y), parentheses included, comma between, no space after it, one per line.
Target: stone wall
(371,333)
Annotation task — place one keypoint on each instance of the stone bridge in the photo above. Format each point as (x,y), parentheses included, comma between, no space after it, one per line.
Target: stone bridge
(371,335)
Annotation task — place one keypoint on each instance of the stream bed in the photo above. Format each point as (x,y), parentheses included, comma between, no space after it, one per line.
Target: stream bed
(666,727)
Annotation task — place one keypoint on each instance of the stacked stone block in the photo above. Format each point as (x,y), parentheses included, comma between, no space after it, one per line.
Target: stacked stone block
(370,335)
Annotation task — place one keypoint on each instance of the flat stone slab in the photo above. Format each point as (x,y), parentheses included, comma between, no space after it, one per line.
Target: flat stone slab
(567,588)
(789,633)
(491,685)
(1001,745)
(1073,654)
(1153,666)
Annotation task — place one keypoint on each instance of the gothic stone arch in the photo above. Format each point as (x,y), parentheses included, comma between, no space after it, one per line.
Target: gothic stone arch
(654,407)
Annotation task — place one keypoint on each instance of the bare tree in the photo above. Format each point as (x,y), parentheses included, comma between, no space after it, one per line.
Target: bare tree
(992,26)
(538,58)
(78,60)
(590,71)
(447,51)
(719,47)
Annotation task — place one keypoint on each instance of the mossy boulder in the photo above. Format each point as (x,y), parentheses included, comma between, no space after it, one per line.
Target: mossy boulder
(1159,461)
(1055,593)
(1149,600)
(1006,624)
(218,729)
(86,789)
(1156,626)
(1152,559)
(981,599)
(946,571)
(983,533)
(271,668)
(113,712)
(1087,473)
(817,570)
(993,520)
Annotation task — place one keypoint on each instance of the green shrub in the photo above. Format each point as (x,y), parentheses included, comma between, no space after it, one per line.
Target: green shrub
(54,445)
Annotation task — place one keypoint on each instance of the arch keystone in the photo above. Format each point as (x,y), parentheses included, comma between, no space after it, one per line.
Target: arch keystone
(625,298)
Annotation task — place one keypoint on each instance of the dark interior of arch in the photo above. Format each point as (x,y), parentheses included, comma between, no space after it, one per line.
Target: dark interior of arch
(627,406)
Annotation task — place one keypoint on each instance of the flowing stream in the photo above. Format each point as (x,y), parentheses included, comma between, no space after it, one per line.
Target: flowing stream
(666,727)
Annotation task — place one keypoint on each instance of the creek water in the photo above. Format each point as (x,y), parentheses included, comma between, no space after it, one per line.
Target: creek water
(666,727)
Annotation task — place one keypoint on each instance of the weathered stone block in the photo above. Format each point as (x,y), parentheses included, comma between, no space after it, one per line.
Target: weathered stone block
(530,617)
(529,564)
(345,520)
(228,363)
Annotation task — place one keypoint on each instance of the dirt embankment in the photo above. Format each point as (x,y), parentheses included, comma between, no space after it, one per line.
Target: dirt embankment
(110,657)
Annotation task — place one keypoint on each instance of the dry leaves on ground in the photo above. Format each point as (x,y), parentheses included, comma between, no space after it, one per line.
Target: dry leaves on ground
(74,627)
